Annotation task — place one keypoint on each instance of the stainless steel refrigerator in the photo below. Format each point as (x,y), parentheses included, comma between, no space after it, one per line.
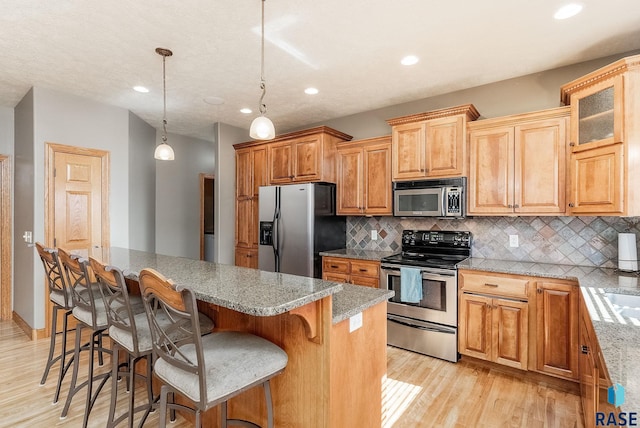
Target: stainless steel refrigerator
(296,222)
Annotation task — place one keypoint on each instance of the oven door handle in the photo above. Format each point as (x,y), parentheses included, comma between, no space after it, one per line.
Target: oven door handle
(420,327)
(425,274)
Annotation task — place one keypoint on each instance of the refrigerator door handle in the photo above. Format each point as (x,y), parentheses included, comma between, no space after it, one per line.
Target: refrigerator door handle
(276,231)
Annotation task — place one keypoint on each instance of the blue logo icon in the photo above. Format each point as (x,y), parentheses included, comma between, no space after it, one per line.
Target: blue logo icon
(615,395)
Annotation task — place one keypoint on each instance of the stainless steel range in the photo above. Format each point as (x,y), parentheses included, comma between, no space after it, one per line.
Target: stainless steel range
(425,320)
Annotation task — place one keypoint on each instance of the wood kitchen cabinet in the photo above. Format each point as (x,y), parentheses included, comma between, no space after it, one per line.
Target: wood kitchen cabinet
(251,173)
(494,318)
(517,164)
(556,337)
(593,375)
(304,156)
(364,177)
(351,271)
(431,144)
(605,140)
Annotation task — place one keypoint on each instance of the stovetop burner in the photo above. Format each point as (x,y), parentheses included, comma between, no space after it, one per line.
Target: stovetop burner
(442,249)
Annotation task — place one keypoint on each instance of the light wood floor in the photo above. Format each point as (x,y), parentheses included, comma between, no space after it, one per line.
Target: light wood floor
(419,392)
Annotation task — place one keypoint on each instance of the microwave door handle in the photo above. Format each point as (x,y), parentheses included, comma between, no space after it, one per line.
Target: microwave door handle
(445,202)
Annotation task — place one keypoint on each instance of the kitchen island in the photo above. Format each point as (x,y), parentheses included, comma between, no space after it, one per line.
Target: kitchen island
(334,335)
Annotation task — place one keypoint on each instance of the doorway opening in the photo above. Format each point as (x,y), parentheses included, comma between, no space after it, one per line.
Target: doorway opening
(207,210)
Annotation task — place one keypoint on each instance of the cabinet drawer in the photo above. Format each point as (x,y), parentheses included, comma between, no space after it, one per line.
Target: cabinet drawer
(495,285)
(365,281)
(336,277)
(363,268)
(335,265)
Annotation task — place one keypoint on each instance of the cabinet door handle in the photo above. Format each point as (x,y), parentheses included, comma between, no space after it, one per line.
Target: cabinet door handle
(490,285)
(572,144)
(509,206)
(516,206)
(584,349)
(571,205)
(539,290)
(291,176)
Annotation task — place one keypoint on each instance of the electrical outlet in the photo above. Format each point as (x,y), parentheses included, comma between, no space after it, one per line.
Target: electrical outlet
(513,241)
(374,235)
(355,322)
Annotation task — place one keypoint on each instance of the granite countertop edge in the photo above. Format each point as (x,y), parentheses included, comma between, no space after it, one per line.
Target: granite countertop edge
(617,335)
(354,299)
(351,253)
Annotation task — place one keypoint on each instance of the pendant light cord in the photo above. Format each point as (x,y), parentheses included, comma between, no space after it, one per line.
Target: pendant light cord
(263,86)
(164,100)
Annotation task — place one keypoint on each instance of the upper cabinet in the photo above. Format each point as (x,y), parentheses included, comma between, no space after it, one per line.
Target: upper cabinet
(517,164)
(431,144)
(304,156)
(364,177)
(605,140)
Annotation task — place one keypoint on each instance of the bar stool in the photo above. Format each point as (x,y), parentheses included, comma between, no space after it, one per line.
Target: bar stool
(60,297)
(90,313)
(128,330)
(206,370)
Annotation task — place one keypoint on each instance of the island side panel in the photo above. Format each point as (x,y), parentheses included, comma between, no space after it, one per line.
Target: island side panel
(301,393)
(358,365)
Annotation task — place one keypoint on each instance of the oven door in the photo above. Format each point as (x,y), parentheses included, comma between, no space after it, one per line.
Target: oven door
(423,202)
(439,290)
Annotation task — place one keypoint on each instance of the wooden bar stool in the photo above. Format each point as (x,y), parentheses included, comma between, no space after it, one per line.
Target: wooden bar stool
(206,370)
(90,313)
(60,297)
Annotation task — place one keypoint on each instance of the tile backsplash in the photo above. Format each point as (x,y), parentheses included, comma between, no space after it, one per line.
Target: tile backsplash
(585,241)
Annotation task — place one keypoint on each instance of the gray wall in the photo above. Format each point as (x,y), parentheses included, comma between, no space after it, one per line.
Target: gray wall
(49,116)
(25,302)
(225,193)
(178,195)
(518,95)
(6,131)
(142,185)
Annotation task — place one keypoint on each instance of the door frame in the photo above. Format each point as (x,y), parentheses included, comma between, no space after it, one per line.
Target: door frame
(49,200)
(5,233)
(203,177)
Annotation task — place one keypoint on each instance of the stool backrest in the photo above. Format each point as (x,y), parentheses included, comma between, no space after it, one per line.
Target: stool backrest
(115,296)
(53,271)
(178,342)
(83,291)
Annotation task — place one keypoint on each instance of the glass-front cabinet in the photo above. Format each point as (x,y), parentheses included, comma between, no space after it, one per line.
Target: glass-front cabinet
(604,140)
(597,113)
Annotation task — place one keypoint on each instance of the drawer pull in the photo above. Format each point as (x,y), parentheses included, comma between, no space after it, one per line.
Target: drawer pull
(490,285)
(362,270)
(334,266)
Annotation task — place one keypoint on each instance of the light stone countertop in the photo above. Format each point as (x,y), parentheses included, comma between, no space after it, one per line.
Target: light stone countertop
(617,335)
(349,253)
(245,290)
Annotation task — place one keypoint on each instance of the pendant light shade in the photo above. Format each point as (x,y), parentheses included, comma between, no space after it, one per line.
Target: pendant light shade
(164,151)
(262,128)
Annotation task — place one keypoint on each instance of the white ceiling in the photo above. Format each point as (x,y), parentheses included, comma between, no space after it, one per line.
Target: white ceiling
(349,49)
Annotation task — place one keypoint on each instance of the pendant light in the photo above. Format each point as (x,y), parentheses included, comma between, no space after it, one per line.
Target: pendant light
(163,150)
(262,128)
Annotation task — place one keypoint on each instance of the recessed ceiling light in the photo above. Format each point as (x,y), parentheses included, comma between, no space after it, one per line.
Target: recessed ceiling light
(409,60)
(215,101)
(245,110)
(140,89)
(311,91)
(567,11)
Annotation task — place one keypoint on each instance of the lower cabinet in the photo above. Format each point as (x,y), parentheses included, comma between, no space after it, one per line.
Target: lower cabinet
(246,257)
(557,328)
(351,271)
(524,322)
(592,372)
(494,329)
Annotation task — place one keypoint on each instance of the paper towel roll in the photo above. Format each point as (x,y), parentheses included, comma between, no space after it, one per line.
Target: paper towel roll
(627,252)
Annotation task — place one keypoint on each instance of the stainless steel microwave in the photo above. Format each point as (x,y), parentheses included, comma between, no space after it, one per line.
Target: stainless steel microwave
(443,198)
